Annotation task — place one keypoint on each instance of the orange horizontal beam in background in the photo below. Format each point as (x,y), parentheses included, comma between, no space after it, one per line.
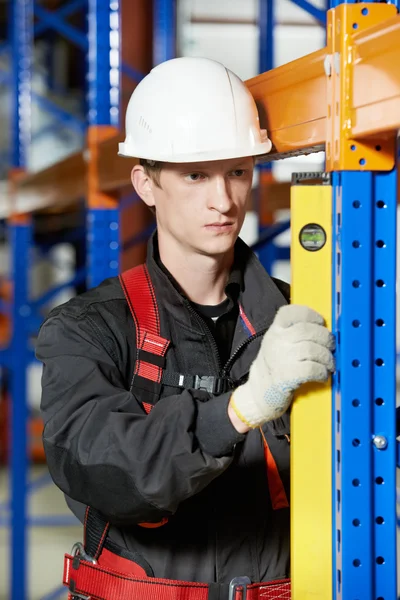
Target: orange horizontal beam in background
(58,186)
(292,104)
(376,80)
(114,172)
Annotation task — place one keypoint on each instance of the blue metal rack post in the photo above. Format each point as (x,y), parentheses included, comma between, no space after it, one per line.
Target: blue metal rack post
(164,25)
(103,245)
(364,389)
(266,52)
(21,30)
(18,355)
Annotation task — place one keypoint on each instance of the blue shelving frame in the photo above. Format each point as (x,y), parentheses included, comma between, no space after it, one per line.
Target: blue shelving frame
(364,392)
(364,387)
(25,312)
(101,45)
(364,315)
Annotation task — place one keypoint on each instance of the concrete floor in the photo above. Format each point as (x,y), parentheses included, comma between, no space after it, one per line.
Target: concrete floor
(47,545)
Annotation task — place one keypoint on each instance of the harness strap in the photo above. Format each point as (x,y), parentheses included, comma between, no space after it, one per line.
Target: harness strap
(151,347)
(209,383)
(98,582)
(95,530)
(276,489)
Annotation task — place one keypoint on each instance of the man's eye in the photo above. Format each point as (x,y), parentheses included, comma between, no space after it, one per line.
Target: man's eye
(194,177)
(238,172)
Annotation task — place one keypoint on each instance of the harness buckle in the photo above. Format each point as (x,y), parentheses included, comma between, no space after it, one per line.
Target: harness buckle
(78,551)
(212,384)
(205,382)
(236,583)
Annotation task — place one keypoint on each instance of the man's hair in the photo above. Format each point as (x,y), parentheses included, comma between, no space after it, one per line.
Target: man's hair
(152,168)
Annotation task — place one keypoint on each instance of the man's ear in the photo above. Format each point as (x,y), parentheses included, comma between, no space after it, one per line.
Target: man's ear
(143,185)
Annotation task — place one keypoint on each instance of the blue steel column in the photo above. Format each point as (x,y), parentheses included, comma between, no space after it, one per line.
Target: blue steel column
(364,390)
(365,385)
(21,34)
(103,245)
(21,30)
(384,244)
(266,60)
(164,25)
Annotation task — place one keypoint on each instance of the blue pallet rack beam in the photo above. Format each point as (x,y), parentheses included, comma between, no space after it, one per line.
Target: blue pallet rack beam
(64,11)
(56,23)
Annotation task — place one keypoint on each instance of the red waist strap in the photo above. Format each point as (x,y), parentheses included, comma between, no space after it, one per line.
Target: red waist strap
(103,583)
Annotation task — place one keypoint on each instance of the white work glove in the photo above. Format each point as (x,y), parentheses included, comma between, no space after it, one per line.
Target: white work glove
(296,349)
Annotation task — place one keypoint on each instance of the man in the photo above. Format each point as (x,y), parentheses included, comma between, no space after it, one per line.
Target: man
(195,489)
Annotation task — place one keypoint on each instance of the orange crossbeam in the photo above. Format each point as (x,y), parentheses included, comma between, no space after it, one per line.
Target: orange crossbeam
(376,79)
(114,172)
(60,185)
(293,104)
(291,101)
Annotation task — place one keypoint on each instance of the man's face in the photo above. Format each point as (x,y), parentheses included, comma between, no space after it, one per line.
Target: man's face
(202,205)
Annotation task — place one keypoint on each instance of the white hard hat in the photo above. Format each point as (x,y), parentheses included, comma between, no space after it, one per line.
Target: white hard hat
(192,109)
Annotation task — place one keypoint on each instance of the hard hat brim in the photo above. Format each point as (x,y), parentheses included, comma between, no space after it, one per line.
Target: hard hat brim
(220,154)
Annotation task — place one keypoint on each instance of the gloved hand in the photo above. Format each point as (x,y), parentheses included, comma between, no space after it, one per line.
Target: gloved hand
(296,349)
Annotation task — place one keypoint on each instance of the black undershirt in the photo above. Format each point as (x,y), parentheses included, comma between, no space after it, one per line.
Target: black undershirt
(225,314)
(221,320)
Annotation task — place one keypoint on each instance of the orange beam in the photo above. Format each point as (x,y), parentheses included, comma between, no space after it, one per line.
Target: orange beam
(114,172)
(345,151)
(292,99)
(293,105)
(96,198)
(376,79)
(292,102)
(58,186)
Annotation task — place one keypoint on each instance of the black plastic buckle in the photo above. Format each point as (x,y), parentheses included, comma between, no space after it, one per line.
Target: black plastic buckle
(205,382)
(212,385)
(238,582)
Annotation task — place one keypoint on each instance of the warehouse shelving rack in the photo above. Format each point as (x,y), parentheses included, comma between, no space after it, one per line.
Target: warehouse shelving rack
(270,253)
(357,126)
(100,44)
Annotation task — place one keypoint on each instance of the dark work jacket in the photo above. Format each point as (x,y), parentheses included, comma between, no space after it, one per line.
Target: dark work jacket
(184,460)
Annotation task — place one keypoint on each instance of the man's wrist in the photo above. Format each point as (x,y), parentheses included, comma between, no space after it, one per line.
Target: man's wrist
(236,421)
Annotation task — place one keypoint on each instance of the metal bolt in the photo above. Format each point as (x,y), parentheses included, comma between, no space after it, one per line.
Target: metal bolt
(328,65)
(380,442)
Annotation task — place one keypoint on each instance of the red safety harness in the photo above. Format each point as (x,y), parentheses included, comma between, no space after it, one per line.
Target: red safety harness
(97,570)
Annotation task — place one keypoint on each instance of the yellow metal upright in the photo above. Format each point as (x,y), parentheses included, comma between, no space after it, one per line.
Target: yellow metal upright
(311,420)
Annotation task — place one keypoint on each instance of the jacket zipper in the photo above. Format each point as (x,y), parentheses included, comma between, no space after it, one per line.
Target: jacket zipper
(204,327)
(228,366)
(223,371)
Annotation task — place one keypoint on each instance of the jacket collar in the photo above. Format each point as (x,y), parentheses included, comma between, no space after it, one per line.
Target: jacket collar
(257,293)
